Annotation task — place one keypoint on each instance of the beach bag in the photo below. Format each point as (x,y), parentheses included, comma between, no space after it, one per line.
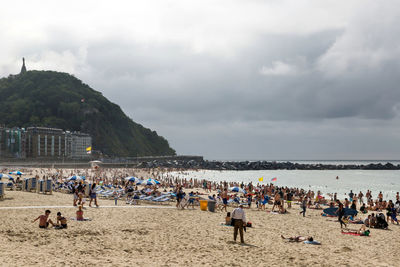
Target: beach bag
(249,224)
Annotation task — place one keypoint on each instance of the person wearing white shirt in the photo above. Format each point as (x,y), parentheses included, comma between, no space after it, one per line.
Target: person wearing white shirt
(239,219)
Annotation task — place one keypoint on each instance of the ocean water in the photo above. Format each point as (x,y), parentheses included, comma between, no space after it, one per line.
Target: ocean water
(387,181)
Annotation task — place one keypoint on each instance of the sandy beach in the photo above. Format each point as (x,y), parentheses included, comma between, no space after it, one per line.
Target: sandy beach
(148,236)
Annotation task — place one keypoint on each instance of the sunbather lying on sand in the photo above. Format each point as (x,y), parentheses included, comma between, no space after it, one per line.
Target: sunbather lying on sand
(298,238)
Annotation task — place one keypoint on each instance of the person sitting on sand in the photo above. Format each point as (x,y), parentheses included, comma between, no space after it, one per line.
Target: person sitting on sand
(61,221)
(394,214)
(228,219)
(363,209)
(346,203)
(367,221)
(362,231)
(298,238)
(44,220)
(372,222)
(79,214)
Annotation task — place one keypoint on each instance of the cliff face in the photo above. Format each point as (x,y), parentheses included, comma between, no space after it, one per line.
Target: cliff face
(54,99)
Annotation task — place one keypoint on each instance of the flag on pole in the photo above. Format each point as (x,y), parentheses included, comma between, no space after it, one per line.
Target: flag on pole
(89,150)
(274,179)
(261,179)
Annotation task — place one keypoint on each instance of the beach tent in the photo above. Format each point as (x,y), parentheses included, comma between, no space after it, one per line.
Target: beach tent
(16,173)
(347,212)
(237,189)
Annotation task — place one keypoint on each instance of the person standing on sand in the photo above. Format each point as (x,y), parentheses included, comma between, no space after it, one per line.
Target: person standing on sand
(351,195)
(224,196)
(238,220)
(360,196)
(93,195)
(340,213)
(304,206)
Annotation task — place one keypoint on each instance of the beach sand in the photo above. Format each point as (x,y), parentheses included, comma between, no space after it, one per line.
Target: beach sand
(171,237)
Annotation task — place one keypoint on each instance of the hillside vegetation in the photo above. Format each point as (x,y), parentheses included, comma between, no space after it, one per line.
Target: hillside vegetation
(59,100)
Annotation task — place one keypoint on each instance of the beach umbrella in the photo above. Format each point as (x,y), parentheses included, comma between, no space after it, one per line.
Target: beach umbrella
(139,182)
(16,173)
(131,179)
(148,182)
(237,189)
(153,181)
(2,175)
(76,178)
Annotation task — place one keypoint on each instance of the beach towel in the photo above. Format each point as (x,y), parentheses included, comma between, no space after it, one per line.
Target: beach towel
(354,234)
(347,233)
(312,242)
(74,219)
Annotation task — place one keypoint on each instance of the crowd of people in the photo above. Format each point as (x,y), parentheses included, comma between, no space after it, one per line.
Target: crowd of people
(187,192)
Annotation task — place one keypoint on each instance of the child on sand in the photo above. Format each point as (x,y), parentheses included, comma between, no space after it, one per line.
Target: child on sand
(61,221)
(44,220)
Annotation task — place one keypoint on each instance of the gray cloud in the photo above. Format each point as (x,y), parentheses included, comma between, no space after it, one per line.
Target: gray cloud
(324,88)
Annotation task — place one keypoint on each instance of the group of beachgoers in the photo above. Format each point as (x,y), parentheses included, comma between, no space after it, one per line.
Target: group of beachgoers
(186,192)
(60,222)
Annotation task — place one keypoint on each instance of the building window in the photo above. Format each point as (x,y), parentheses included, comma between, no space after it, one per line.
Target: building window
(52,145)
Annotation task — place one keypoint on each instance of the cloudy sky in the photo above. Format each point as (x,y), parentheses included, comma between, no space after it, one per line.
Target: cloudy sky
(228,79)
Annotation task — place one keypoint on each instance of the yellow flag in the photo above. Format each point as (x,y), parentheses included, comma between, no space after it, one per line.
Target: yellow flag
(261,179)
(89,148)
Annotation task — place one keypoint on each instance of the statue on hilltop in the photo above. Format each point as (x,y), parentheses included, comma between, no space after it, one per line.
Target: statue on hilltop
(23,69)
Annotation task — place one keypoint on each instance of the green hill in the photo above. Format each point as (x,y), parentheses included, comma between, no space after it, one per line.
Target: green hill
(59,100)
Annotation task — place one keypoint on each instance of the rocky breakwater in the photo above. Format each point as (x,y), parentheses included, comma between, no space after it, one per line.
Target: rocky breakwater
(261,165)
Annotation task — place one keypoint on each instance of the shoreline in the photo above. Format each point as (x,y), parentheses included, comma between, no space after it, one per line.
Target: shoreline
(198,163)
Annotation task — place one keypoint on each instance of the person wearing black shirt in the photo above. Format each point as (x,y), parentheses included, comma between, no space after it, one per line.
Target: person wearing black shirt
(340,213)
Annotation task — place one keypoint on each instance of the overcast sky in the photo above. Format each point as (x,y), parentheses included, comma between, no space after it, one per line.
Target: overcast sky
(270,79)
